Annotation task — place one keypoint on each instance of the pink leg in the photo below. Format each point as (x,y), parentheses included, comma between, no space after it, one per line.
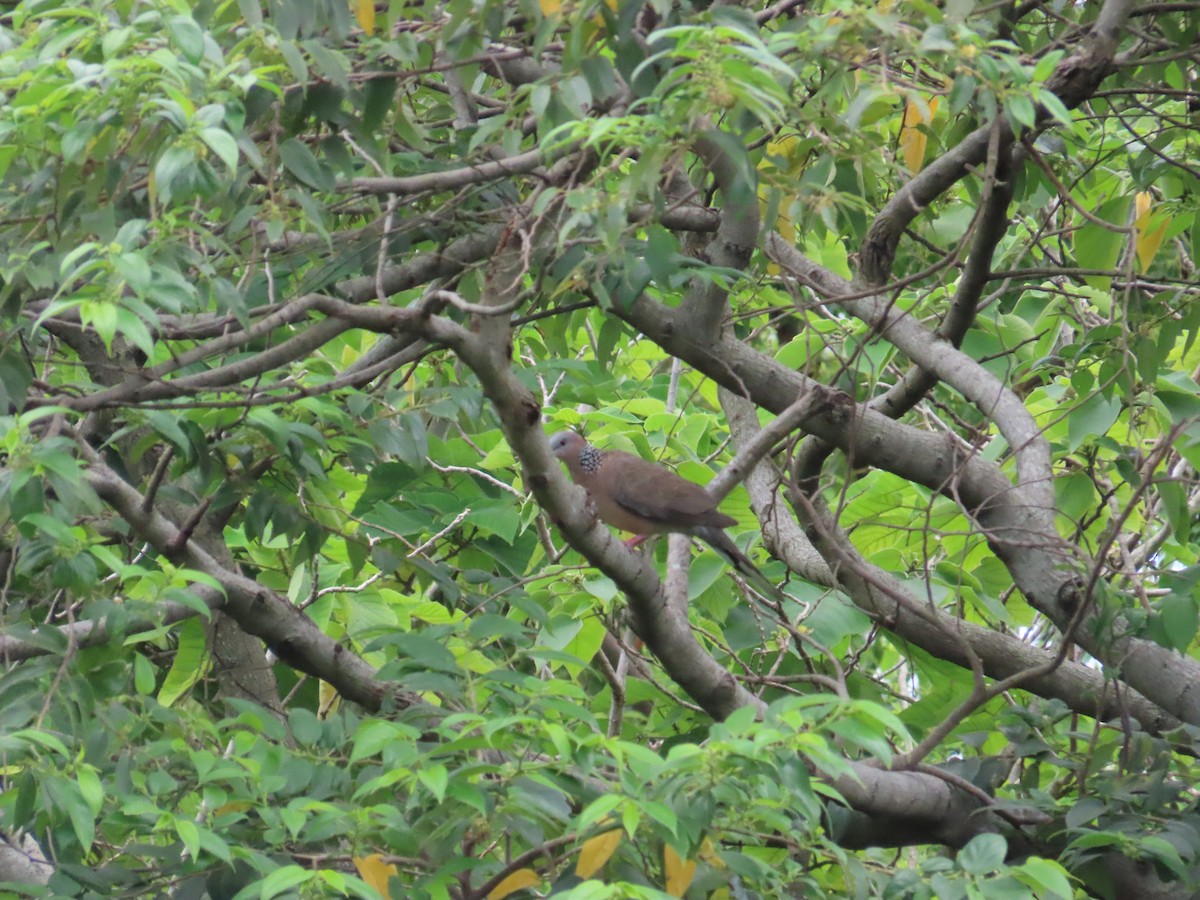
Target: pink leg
(635,540)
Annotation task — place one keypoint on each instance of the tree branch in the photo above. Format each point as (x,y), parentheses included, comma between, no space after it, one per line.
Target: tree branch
(291,634)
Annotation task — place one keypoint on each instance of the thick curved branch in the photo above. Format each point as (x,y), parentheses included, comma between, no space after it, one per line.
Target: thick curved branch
(899,809)
(1080,687)
(883,237)
(869,437)
(915,383)
(737,233)
(1017,532)
(257,610)
(991,227)
(962,373)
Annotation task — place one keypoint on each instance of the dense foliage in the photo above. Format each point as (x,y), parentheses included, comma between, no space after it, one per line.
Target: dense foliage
(295,600)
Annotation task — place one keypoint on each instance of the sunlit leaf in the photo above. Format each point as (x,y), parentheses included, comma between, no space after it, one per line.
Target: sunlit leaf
(912,138)
(596,851)
(364,12)
(518,880)
(375,871)
(678,871)
(1149,228)
(190,663)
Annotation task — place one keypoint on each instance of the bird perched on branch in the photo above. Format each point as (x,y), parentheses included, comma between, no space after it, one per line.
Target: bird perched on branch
(645,498)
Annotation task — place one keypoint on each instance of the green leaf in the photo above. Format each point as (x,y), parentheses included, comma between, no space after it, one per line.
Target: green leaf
(102,316)
(187,36)
(1020,111)
(1045,66)
(8,152)
(435,777)
(301,162)
(33,736)
(586,643)
(223,144)
(172,164)
(1091,419)
(134,329)
(1097,247)
(862,735)
(90,789)
(375,734)
(1180,620)
(1054,106)
(305,726)
(424,652)
(984,853)
(597,810)
(190,663)
(1092,839)
(251,11)
(1047,877)
(67,797)
(412,443)
(1085,810)
(1164,853)
(500,517)
(284,879)
(189,835)
(1175,505)
(213,845)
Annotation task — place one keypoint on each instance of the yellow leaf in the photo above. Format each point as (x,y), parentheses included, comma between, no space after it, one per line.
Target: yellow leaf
(787,154)
(782,164)
(522,878)
(784,225)
(327,700)
(374,871)
(550,7)
(1141,205)
(708,853)
(364,11)
(1149,233)
(679,873)
(596,852)
(598,18)
(912,139)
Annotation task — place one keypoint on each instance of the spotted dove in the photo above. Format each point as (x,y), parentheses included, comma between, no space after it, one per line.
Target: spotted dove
(645,498)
